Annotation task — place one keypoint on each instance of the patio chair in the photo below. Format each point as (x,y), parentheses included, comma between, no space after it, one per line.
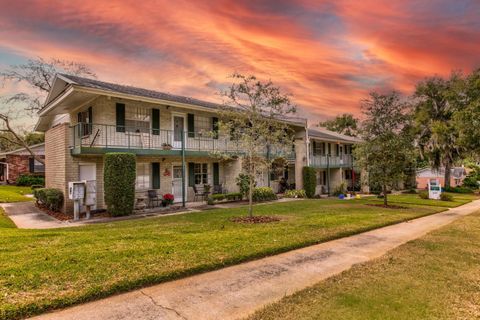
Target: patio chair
(153,198)
(199,192)
(218,189)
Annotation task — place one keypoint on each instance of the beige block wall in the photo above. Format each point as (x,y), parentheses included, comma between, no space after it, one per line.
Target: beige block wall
(61,167)
(300,161)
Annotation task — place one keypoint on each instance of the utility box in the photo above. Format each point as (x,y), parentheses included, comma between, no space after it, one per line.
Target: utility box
(90,193)
(76,190)
(434,189)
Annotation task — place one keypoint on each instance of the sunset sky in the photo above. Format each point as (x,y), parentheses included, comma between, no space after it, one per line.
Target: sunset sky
(328,54)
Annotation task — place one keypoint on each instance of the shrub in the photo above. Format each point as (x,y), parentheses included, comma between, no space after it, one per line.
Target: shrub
(119,183)
(243,182)
(217,197)
(50,197)
(234,196)
(220,197)
(446,197)
(423,194)
(340,189)
(472,180)
(36,186)
(410,191)
(295,194)
(458,190)
(309,181)
(29,180)
(263,194)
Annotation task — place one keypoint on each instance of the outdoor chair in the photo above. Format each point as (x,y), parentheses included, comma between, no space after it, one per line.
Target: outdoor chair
(199,192)
(153,198)
(218,189)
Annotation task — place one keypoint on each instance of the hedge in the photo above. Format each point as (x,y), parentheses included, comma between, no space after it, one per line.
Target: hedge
(295,194)
(50,197)
(233,196)
(119,183)
(263,194)
(29,180)
(309,181)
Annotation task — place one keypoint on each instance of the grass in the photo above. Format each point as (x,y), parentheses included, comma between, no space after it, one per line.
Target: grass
(46,269)
(14,194)
(458,199)
(434,277)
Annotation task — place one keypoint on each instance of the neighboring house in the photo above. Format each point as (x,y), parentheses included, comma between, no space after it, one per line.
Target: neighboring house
(84,119)
(458,174)
(19,162)
(330,153)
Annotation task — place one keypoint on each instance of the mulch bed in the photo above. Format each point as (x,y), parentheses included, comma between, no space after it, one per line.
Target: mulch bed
(390,206)
(57,215)
(255,219)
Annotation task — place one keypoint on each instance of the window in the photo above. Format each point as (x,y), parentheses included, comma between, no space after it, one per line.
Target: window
(203,125)
(137,119)
(318,148)
(348,174)
(201,173)
(143,176)
(84,120)
(35,165)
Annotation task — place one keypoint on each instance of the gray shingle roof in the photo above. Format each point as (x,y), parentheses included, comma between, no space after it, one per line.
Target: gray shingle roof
(130,90)
(108,86)
(321,133)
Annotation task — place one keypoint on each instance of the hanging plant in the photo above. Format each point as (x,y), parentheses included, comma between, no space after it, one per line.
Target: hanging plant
(279,164)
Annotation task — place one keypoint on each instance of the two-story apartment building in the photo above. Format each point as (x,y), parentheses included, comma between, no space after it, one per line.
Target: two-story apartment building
(172,138)
(330,153)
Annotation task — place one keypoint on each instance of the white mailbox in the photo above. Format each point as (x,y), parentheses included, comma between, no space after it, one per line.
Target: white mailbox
(76,190)
(434,189)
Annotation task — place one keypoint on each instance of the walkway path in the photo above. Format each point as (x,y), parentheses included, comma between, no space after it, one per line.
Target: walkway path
(26,216)
(237,291)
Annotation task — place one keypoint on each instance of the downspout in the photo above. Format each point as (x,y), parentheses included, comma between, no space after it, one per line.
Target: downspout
(183,170)
(307,143)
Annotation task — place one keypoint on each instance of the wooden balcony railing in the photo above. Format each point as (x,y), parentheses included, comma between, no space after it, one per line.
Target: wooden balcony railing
(326,161)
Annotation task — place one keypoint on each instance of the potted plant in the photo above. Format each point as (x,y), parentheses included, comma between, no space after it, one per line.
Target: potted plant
(206,188)
(167,199)
(166,146)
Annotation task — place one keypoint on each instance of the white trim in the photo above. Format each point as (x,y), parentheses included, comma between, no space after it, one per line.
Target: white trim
(23,149)
(178,164)
(184,116)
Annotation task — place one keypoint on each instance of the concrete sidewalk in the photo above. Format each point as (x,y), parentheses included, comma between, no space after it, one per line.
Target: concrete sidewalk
(238,291)
(26,215)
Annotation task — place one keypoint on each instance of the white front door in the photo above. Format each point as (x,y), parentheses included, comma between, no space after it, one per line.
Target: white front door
(178,123)
(177,183)
(88,171)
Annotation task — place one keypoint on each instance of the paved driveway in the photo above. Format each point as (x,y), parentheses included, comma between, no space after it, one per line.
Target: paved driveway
(238,291)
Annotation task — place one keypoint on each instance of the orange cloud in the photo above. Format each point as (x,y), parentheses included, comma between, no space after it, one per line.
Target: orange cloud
(328,54)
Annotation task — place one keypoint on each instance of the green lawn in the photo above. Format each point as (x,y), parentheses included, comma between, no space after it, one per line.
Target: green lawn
(458,199)
(44,269)
(14,194)
(434,277)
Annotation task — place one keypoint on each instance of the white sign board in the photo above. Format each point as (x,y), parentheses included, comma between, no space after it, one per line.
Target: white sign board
(434,189)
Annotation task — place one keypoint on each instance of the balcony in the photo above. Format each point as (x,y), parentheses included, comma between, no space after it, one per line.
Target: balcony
(325,161)
(101,138)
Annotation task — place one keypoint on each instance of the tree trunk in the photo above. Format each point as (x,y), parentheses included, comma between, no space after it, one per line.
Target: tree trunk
(250,198)
(448,168)
(385,202)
